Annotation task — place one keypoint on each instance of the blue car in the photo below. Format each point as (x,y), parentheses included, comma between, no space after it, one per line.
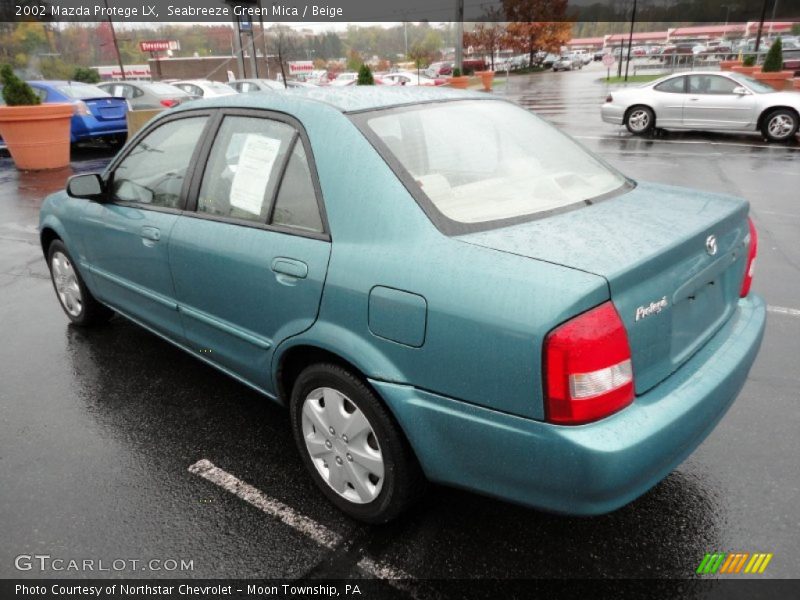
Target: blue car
(486,306)
(98,115)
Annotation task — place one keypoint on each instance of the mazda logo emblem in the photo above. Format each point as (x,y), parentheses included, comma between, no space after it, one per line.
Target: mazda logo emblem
(711,245)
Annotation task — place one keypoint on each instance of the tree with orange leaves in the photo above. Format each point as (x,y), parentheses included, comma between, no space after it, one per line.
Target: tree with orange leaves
(487,37)
(536,25)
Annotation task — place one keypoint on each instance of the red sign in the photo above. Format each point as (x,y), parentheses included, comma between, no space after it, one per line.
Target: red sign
(159,45)
(608,59)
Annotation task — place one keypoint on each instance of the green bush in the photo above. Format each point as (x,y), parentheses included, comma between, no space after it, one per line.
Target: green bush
(749,60)
(365,76)
(467,71)
(774,61)
(456,72)
(15,91)
(86,75)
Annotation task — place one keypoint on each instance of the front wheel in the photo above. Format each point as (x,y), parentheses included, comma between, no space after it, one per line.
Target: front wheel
(78,303)
(640,120)
(351,445)
(780,125)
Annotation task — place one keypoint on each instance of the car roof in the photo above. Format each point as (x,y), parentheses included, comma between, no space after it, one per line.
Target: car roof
(345,99)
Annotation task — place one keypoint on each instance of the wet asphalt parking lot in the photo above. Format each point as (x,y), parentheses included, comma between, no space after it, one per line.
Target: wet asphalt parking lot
(99,429)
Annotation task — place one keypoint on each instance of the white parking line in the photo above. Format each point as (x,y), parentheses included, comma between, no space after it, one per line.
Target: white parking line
(395,577)
(308,527)
(782,310)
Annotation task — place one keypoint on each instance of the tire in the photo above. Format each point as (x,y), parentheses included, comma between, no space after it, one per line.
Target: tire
(375,443)
(780,125)
(75,299)
(640,120)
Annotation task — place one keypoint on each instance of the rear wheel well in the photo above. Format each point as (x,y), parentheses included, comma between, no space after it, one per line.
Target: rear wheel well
(298,358)
(766,111)
(631,108)
(46,237)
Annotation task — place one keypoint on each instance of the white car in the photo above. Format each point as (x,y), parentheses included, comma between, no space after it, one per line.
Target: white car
(705,101)
(343,79)
(205,88)
(406,78)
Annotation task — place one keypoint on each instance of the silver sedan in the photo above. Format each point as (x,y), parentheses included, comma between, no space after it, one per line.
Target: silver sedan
(706,101)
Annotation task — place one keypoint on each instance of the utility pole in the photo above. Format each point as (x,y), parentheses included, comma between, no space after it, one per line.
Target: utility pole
(114,39)
(459,34)
(630,40)
(761,26)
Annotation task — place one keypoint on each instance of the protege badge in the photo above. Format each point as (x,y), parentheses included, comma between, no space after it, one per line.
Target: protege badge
(651,309)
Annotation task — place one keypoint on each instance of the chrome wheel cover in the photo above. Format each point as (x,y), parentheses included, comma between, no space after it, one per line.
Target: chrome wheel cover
(66,282)
(343,446)
(780,126)
(639,120)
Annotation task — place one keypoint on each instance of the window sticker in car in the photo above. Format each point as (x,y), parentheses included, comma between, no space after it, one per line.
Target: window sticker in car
(252,172)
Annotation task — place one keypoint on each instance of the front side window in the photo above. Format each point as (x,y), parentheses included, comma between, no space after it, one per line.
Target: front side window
(483,161)
(244,168)
(710,84)
(672,86)
(153,172)
(759,87)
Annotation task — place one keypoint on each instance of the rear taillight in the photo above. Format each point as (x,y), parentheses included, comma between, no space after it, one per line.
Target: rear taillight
(168,103)
(587,368)
(609,98)
(752,250)
(81,108)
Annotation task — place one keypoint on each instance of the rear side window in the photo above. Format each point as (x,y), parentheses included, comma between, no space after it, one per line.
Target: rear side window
(672,86)
(296,204)
(244,168)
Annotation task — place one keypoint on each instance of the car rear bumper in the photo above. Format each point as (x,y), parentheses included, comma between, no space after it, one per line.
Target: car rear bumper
(88,127)
(611,113)
(588,469)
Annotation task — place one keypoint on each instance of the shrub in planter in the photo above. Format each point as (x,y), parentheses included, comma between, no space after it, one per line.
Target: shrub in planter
(37,134)
(365,76)
(86,75)
(458,80)
(749,60)
(774,60)
(772,71)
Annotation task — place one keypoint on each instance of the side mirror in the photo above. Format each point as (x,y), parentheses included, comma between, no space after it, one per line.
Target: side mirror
(740,90)
(88,187)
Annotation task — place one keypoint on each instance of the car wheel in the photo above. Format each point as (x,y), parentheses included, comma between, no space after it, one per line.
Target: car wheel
(351,445)
(780,125)
(640,120)
(78,303)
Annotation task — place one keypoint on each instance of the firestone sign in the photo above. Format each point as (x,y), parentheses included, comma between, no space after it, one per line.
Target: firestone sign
(159,45)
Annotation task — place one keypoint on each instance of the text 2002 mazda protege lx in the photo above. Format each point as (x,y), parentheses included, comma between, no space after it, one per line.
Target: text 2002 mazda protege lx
(437,284)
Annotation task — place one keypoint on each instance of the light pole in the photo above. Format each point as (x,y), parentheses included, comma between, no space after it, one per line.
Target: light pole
(459,35)
(630,40)
(114,39)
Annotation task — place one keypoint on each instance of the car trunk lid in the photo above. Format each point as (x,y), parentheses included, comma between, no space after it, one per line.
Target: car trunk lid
(672,287)
(107,109)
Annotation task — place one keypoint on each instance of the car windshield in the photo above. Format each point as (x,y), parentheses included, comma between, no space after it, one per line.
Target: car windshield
(753,84)
(80,91)
(220,87)
(485,160)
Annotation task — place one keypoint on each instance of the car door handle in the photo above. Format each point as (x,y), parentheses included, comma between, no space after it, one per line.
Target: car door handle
(289,267)
(694,99)
(150,234)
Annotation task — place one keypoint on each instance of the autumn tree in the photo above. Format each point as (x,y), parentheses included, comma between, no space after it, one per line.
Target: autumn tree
(536,25)
(487,38)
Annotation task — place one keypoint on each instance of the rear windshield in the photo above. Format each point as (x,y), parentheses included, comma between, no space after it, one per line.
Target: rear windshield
(164,89)
(483,161)
(79,91)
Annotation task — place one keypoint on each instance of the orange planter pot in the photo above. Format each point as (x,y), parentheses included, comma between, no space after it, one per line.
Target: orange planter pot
(796,83)
(37,136)
(777,79)
(746,70)
(459,82)
(487,77)
(727,65)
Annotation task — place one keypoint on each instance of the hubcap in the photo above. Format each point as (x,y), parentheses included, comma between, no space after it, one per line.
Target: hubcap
(639,120)
(780,126)
(66,282)
(342,445)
